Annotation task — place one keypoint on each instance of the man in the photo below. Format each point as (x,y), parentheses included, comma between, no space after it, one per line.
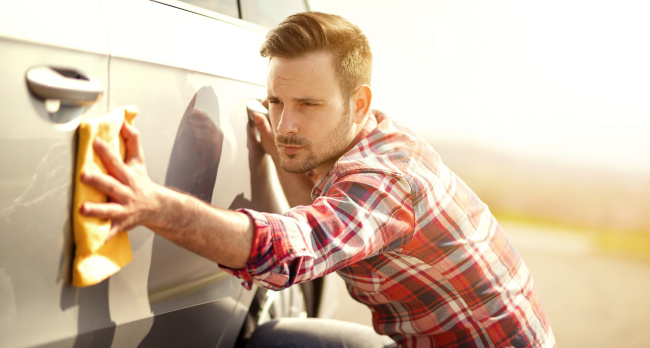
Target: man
(370,201)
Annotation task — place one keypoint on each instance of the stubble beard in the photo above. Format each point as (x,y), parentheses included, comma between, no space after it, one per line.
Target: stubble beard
(332,150)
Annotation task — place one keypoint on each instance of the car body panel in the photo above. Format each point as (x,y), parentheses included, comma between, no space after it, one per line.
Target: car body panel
(37,302)
(56,23)
(191,73)
(177,37)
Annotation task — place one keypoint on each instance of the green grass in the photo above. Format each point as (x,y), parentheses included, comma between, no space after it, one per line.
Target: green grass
(635,245)
(629,244)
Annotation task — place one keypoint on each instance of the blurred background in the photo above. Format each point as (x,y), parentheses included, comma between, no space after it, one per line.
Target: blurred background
(543,109)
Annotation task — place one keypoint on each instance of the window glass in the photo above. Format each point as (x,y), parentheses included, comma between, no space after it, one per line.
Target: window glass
(269,13)
(227,7)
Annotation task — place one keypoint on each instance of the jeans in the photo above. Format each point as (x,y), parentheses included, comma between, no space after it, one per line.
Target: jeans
(314,332)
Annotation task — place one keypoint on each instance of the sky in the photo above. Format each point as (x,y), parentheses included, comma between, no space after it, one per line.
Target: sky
(560,80)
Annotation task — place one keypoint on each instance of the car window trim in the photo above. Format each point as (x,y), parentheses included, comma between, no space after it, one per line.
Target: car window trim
(212,14)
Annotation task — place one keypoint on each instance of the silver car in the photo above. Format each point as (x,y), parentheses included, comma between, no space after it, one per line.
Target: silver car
(191,68)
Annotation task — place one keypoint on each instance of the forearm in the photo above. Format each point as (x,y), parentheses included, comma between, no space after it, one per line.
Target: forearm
(223,236)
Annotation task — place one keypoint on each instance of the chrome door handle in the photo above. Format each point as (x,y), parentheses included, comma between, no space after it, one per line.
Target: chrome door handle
(63,86)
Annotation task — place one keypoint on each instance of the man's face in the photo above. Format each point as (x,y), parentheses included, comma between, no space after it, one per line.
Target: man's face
(308,113)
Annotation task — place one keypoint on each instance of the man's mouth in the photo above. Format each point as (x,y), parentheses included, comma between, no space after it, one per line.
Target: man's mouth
(290,149)
(289,145)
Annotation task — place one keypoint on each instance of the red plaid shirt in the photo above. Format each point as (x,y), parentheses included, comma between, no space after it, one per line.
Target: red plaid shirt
(411,241)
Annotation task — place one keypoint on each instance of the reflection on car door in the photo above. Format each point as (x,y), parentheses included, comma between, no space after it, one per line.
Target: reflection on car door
(190,75)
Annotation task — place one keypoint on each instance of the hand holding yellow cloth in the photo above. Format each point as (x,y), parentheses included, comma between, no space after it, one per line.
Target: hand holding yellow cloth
(95,259)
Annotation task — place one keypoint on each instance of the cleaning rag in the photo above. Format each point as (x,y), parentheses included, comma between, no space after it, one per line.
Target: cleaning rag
(95,258)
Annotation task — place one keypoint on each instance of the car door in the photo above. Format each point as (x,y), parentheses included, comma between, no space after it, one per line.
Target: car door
(190,72)
(37,302)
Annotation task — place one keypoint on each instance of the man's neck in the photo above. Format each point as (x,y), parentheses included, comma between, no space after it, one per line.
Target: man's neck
(319,172)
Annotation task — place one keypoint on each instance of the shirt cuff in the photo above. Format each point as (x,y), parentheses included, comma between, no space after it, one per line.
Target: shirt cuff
(278,242)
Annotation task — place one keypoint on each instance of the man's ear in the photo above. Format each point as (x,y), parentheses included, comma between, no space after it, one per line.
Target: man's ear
(362,99)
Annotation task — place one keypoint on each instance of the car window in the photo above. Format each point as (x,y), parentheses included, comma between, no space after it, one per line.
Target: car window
(227,7)
(269,13)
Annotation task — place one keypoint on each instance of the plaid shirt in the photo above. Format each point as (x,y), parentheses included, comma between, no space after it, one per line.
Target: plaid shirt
(411,241)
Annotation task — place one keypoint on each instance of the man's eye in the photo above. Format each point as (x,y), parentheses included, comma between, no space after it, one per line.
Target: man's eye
(306,104)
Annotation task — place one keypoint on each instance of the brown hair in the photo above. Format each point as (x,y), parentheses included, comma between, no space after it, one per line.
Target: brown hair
(309,32)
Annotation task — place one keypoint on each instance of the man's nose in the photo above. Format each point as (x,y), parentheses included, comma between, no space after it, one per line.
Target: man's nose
(288,122)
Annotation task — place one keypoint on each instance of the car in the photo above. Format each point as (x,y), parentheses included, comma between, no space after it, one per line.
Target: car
(191,68)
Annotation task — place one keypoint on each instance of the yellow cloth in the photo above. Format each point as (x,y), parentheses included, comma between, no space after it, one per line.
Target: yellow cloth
(95,259)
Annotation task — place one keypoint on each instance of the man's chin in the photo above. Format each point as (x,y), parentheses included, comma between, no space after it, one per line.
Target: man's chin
(294,170)
(293,166)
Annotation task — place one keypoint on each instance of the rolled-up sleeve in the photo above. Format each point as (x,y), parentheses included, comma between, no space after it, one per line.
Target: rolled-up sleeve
(359,216)
(279,244)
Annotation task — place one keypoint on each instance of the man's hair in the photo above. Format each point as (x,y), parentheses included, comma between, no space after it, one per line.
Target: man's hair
(310,32)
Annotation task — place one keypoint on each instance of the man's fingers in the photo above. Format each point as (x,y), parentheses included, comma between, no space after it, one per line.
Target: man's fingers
(134,151)
(117,226)
(260,122)
(266,133)
(112,161)
(107,185)
(107,210)
(114,230)
(111,211)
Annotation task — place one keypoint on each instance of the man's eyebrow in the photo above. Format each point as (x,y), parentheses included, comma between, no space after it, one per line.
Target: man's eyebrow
(298,100)
(308,100)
